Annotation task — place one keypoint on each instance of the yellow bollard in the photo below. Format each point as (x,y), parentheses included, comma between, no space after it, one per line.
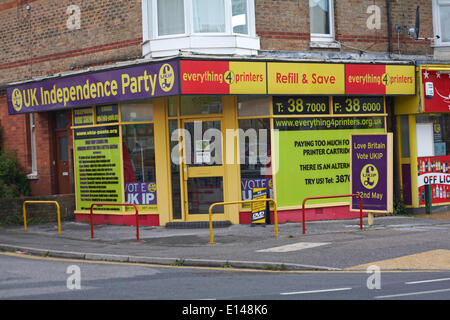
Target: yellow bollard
(31,201)
(370,217)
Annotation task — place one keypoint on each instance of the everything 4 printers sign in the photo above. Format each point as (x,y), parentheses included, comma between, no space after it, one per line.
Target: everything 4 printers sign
(370,171)
(140,82)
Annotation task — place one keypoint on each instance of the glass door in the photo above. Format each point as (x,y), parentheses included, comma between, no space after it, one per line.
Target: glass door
(202,169)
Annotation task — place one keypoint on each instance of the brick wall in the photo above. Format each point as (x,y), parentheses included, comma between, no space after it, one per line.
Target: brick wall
(284,25)
(11,209)
(37,41)
(16,138)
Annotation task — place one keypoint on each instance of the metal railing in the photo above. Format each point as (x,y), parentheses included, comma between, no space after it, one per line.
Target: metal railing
(47,202)
(114,204)
(238,202)
(327,197)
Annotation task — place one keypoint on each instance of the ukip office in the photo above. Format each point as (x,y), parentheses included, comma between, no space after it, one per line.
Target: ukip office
(174,136)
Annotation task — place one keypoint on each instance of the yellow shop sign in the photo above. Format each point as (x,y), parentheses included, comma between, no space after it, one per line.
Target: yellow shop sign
(305,78)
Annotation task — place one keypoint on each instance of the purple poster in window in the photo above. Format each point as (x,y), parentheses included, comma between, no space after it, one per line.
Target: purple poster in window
(369,168)
(141,193)
(131,83)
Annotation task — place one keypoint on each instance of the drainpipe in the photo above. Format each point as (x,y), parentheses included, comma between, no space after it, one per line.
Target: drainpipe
(389,26)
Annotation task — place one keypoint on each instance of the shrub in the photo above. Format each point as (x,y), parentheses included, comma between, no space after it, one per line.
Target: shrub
(13,182)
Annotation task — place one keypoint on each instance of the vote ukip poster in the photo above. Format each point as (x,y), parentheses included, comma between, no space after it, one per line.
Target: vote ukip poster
(371,171)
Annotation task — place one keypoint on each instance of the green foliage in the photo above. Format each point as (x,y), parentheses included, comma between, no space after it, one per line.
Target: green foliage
(13,182)
(399,206)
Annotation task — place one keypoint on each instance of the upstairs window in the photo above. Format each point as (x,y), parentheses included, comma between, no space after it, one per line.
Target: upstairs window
(204,26)
(208,16)
(321,17)
(441,18)
(170,17)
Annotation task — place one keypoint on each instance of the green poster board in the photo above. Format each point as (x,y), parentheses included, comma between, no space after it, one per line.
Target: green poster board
(97,167)
(314,157)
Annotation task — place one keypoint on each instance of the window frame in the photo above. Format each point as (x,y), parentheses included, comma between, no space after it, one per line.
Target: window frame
(324,37)
(33,148)
(437,21)
(227,42)
(150,9)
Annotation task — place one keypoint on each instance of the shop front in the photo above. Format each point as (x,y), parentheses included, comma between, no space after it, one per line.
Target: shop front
(424,139)
(177,135)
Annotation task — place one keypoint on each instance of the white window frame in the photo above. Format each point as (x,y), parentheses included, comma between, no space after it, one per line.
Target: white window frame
(437,24)
(325,37)
(227,42)
(34,173)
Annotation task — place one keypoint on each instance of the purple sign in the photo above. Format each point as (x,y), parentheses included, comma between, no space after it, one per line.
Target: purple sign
(132,83)
(247,185)
(369,168)
(140,193)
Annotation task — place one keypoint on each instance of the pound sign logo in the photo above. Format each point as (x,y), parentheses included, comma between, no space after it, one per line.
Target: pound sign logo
(17,100)
(166,77)
(369,176)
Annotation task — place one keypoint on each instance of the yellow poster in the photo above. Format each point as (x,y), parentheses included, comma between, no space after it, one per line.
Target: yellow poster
(305,78)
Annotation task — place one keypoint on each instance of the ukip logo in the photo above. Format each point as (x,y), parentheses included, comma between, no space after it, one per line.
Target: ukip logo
(17,100)
(166,77)
(369,176)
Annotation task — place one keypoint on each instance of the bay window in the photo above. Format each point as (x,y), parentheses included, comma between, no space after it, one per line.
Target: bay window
(200,26)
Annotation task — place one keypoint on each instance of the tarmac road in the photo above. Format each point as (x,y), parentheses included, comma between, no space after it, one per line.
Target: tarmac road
(393,243)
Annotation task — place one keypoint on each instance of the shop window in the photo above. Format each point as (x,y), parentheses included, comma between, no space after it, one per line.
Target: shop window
(405,136)
(441,19)
(175,170)
(173,106)
(138,111)
(83,116)
(255,155)
(202,26)
(191,105)
(253,106)
(433,158)
(321,16)
(107,114)
(139,164)
(433,137)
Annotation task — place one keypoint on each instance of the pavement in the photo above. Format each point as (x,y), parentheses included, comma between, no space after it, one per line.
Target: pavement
(392,243)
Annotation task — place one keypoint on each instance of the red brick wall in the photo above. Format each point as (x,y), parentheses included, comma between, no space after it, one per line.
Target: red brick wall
(16,138)
(37,41)
(284,25)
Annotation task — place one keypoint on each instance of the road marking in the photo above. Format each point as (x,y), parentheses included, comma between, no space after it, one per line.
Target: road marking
(314,291)
(434,259)
(425,281)
(411,293)
(294,247)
